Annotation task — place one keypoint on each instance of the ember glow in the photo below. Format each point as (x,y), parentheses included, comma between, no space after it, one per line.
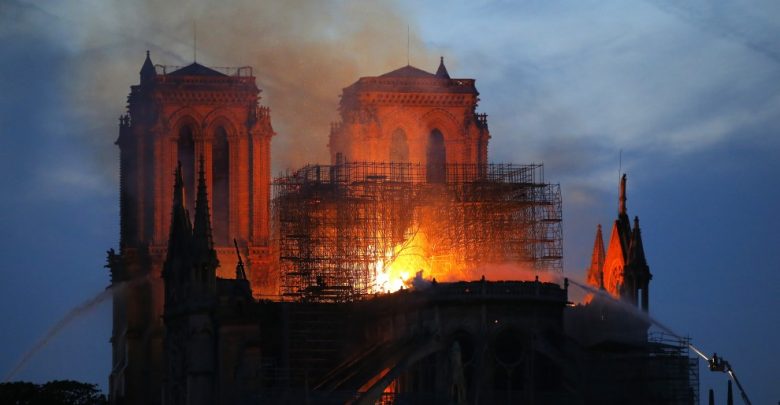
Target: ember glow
(417,258)
(400,265)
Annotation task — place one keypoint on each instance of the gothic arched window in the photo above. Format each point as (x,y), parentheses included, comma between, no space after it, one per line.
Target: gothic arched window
(220,186)
(436,158)
(186,156)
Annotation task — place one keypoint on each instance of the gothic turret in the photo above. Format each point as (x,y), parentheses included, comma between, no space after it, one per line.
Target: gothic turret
(625,272)
(596,270)
(177,260)
(147,70)
(637,269)
(442,70)
(191,262)
(636,252)
(623,223)
(203,254)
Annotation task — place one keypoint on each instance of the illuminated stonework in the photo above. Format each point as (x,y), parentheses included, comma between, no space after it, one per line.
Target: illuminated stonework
(411,116)
(409,192)
(623,272)
(182,116)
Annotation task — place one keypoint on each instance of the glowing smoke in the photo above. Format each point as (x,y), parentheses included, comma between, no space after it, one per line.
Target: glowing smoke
(303,54)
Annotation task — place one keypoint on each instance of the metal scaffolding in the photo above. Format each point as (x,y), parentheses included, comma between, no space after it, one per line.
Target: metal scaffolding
(335,224)
(671,370)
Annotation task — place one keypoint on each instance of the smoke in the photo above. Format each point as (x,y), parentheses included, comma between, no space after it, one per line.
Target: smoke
(634,311)
(77,312)
(628,307)
(490,272)
(511,271)
(303,54)
(515,271)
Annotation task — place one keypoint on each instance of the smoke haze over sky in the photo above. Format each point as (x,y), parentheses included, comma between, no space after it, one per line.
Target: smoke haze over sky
(690,93)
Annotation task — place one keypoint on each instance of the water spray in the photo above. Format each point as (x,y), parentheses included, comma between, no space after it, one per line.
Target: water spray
(81,309)
(702,355)
(714,364)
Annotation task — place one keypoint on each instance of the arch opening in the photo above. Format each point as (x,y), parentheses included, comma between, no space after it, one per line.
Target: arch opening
(186,156)
(220,187)
(436,158)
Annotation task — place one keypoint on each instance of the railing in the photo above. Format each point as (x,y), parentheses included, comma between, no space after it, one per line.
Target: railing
(233,71)
(419,83)
(456,173)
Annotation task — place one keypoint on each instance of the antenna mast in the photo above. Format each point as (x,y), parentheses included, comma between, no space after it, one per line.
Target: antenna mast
(408,42)
(194,41)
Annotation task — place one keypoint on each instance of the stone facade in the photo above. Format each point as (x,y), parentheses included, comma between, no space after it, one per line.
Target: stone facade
(189,330)
(181,116)
(410,116)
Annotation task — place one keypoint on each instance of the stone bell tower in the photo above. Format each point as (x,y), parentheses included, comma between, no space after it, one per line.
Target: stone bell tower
(182,115)
(411,116)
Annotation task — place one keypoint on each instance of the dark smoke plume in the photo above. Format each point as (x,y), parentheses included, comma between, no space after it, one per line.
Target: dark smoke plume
(303,54)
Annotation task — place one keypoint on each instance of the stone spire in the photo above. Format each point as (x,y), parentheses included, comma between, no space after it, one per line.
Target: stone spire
(442,70)
(596,270)
(622,198)
(202,243)
(623,223)
(636,251)
(147,70)
(637,269)
(177,263)
(181,229)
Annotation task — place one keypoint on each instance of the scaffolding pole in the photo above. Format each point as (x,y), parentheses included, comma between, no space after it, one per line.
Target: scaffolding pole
(334,225)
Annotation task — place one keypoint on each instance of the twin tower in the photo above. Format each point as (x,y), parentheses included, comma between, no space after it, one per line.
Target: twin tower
(195,115)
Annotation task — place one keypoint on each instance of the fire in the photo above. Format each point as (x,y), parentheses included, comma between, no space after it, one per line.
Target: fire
(401,264)
(417,257)
(426,258)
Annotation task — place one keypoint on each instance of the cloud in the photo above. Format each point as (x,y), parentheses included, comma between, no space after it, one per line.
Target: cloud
(572,83)
(748,26)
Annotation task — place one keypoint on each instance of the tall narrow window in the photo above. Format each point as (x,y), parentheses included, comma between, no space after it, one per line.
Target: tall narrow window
(220,184)
(399,148)
(186,156)
(436,158)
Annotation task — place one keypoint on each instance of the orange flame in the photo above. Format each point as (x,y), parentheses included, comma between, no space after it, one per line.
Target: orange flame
(398,267)
(418,256)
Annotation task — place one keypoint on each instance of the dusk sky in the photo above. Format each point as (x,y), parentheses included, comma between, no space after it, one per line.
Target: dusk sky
(689,91)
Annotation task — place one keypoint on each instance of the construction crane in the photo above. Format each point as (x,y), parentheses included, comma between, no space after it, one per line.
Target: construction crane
(718,364)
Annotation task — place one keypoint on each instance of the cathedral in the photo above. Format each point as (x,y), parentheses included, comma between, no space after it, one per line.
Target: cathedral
(368,280)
